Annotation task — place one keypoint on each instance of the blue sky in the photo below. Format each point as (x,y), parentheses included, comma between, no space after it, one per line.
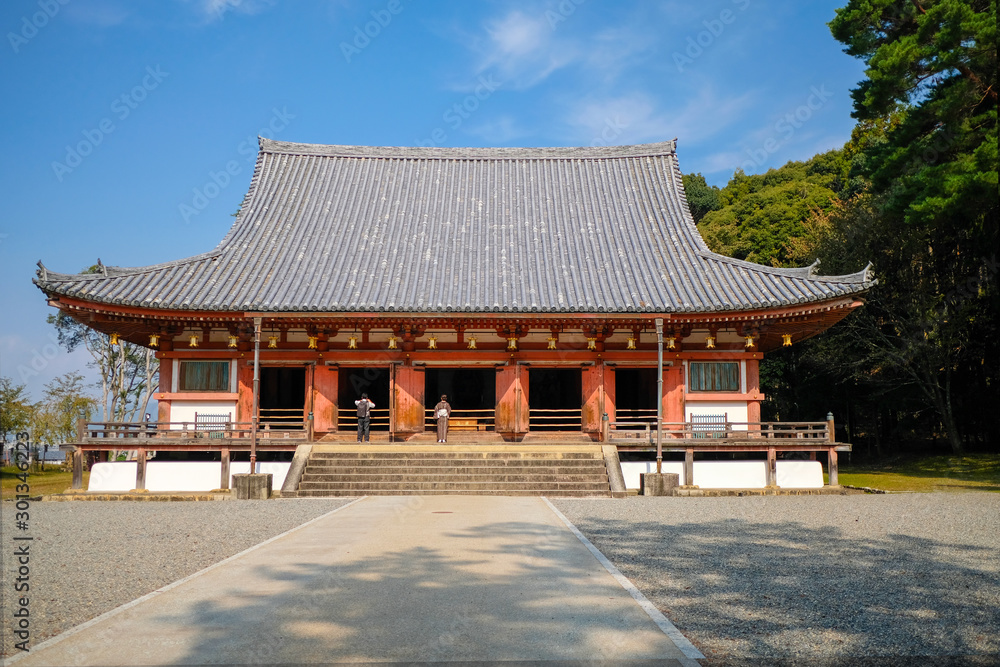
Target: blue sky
(130,126)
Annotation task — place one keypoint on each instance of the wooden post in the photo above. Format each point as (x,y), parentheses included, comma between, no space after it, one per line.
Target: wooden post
(831,462)
(830,433)
(689,467)
(224,482)
(81,430)
(771,476)
(140,469)
(78,468)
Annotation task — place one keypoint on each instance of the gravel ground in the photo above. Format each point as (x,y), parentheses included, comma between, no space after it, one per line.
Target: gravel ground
(808,580)
(814,580)
(87,558)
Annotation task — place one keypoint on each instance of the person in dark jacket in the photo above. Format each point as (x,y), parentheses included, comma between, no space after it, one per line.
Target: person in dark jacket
(441,412)
(364,416)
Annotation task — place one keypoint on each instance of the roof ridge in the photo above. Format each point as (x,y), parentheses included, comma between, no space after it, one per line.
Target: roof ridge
(470,153)
(45,275)
(803,272)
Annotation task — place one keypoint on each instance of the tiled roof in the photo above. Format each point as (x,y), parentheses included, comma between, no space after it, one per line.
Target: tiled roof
(362,229)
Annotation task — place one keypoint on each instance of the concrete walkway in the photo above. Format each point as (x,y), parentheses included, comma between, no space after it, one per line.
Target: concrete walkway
(389,579)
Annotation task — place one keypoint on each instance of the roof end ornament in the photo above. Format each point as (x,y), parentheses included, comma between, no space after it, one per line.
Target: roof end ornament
(42,272)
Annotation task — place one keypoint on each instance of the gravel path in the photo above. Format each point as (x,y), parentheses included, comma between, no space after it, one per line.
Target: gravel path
(90,557)
(751,581)
(776,580)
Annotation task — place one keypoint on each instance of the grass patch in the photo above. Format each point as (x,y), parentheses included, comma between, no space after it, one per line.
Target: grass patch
(42,483)
(975,472)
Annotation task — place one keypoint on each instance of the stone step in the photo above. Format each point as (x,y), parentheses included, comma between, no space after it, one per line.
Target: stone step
(459,466)
(350,493)
(596,477)
(484,455)
(417,485)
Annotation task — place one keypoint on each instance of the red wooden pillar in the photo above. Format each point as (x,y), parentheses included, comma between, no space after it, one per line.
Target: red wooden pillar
(505,413)
(244,402)
(512,400)
(408,400)
(166,386)
(673,393)
(521,384)
(325,398)
(593,385)
(610,397)
(753,391)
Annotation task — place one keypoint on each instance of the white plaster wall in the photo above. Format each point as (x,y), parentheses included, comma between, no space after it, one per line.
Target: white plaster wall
(733,474)
(119,476)
(632,469)
(799,474)
(184,411)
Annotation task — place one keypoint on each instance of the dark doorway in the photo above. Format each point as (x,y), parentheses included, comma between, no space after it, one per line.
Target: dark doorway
(371,380)
(282,396)
(467,388)
(635,394)
(555,399)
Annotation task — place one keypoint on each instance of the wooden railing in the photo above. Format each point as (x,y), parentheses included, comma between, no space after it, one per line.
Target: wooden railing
(570,419)
(464,420)
(126,433)
(639,432)
(347,419)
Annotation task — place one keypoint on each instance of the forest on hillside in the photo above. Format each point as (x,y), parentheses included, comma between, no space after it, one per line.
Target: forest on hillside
(914,192)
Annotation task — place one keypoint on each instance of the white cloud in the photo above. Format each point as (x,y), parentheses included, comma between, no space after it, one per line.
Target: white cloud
(100,14)
(213,10)
(498,131)
(640,118)
(524,49)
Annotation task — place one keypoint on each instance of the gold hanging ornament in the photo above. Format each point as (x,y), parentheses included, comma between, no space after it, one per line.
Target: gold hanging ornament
(749,341)
(512,343)
(313,342)
(671,343)
(193,340)
(352,343)
(710,342)
(786,340)
(432,343)
(234,341)
(114,339)
(272,341)
(392,342)
(552,342)
(631,343)
(154,340)
(591,343)
(472,343)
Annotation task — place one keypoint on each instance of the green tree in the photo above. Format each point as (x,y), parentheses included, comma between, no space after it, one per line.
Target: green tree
(928,219)
(701,197)
(15,409)
(770,218)
(129,373)
(64,403)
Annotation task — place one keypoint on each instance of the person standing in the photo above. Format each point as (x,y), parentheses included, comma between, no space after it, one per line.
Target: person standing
(364,417)
(441,412)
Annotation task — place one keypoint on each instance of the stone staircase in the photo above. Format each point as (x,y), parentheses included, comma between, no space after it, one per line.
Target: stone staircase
(504,470)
